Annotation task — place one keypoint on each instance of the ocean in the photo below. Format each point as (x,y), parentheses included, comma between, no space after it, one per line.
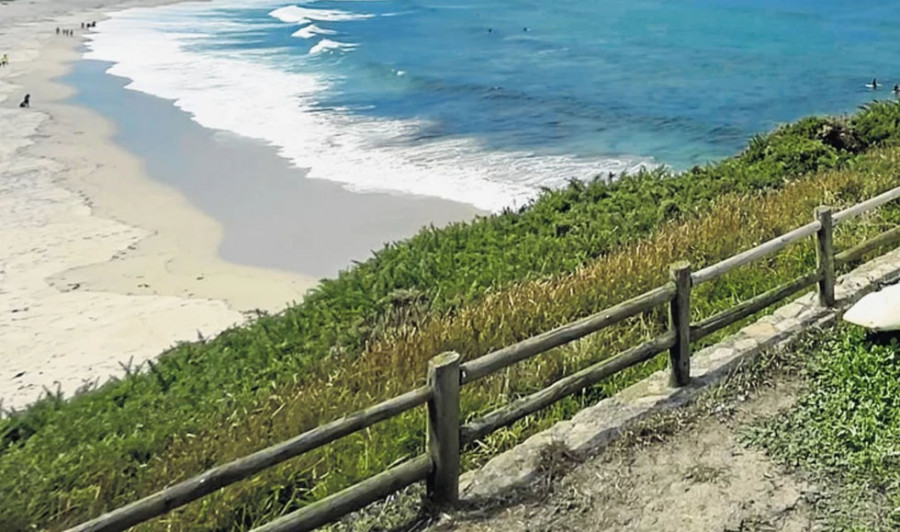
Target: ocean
(487,102)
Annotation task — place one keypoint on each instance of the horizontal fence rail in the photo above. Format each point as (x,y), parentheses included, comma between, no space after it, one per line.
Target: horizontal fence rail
(857,252)
(565,387)
(750,307)
(867,205)
(492,362)
(439,467)
(353,498)
(219,477)
(772,246)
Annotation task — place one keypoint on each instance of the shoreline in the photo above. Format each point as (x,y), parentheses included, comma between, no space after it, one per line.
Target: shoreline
(64,191)
(272,215)
(168,260)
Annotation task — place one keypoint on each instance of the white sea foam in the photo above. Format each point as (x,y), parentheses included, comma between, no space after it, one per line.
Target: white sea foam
(250,94)
(326,45)
(304,15)
(311,30)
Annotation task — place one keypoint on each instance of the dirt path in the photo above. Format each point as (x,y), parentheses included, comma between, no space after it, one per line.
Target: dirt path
(685,471)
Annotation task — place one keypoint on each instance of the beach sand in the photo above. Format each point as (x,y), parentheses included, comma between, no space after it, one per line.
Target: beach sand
(101,267)
(59,180)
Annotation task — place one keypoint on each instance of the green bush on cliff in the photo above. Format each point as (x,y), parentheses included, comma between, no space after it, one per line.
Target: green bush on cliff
(877,124)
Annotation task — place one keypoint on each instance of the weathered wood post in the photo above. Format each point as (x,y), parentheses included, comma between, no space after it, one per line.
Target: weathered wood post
(680,323)
(825,256)
(443,430)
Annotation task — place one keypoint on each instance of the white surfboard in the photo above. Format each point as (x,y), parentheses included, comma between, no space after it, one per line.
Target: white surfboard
(878,311)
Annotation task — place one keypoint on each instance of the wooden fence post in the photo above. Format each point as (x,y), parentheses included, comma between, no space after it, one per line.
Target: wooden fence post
(443,430)
(680,323)
(825,256)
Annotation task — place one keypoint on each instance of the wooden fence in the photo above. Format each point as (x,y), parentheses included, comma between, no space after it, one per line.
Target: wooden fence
(439,467)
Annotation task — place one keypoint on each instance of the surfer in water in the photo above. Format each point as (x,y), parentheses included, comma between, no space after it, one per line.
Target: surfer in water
(896,90)
(874,84)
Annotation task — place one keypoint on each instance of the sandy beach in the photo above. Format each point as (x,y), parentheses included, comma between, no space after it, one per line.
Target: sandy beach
(71,200)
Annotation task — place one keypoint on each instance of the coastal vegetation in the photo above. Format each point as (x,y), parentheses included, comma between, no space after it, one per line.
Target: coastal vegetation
(470,287)
(844,430)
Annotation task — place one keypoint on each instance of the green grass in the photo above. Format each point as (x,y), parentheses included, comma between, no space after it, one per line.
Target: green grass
(845,430)
(366,335)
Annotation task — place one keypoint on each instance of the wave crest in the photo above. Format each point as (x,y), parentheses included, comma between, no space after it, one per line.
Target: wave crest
(310,31)
(327,45)
(305,15)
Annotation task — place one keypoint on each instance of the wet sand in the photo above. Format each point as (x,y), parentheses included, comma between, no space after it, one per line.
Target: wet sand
(272,215)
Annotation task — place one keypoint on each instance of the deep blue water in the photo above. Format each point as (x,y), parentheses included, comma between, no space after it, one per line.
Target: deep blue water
(486,101)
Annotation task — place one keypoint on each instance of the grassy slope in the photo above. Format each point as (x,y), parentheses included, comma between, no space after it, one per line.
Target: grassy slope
(846,428)
(206,402)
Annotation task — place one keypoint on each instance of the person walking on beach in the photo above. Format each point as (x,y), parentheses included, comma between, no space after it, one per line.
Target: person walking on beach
(26,102)
(4,60)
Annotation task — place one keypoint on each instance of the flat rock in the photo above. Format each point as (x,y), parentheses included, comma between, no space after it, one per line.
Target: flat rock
(878,311)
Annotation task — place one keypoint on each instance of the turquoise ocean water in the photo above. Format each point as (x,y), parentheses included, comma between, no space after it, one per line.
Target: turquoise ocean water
(487,101)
